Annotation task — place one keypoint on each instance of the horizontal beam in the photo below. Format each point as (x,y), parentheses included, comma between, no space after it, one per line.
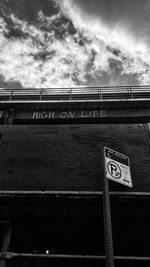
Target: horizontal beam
(9,255)
(8,193)
(83,116)
(74,104)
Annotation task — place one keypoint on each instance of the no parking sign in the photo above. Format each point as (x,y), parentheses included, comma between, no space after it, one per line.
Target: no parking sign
(117,167)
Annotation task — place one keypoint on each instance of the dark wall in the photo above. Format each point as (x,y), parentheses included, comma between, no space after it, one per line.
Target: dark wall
(67,157)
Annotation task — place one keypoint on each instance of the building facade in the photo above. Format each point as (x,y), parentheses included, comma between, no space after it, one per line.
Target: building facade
(51,211)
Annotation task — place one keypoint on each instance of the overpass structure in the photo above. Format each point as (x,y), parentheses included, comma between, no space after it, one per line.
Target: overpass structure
(33,218)
(118,104)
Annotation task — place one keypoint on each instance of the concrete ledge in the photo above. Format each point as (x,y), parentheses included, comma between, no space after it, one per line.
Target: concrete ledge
(75,104)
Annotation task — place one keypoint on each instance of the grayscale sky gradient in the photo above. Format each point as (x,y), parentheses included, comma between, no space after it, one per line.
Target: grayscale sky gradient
(63,43)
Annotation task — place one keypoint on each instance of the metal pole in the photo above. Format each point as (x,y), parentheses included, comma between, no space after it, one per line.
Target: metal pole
(5,246)
(107,217)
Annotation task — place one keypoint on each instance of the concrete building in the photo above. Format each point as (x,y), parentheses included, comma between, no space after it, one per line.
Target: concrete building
(51,169)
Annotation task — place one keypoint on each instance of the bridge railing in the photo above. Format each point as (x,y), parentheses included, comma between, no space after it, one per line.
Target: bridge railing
(75,93)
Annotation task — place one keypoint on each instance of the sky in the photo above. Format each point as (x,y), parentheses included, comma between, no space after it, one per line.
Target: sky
(70,43)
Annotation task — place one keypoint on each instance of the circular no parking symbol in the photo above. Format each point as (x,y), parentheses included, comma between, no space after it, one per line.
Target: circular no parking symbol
(114,169)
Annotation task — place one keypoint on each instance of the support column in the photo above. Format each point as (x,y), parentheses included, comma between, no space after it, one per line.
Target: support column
(5,246)
(147,133)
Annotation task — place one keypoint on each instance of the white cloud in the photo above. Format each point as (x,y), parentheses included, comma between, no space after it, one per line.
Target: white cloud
(40,58)
(18,59)
(134,54)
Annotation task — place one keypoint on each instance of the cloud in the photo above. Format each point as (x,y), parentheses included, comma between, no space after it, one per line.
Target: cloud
(114,31)
(70,47)
(132,16)
(40,59)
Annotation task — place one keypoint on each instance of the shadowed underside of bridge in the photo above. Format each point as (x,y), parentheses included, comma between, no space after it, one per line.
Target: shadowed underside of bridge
(51,198)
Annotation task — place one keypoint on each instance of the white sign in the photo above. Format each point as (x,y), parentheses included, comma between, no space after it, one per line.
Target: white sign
(117,167)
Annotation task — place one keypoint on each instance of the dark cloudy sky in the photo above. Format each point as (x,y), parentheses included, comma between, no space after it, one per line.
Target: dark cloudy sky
(63,43)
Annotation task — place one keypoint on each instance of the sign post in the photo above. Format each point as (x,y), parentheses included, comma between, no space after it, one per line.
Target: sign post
(116,168)
(107,218)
